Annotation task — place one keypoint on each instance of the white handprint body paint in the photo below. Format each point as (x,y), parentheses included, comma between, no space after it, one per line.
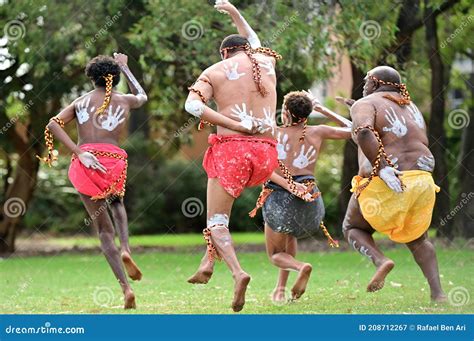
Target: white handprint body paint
(417,116)
(283,146)
(397,126)
(246,119)
(304,159)
(82,110)
(232,73)
(394,160)
(268,65)
(113,120)
(426,163)
(269,122)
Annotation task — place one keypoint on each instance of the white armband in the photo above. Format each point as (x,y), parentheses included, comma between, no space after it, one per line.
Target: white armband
(194,107)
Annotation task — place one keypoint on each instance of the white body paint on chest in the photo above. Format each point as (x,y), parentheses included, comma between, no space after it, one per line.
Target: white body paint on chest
(231,72)
(397,126)
(82,110)
(303,160)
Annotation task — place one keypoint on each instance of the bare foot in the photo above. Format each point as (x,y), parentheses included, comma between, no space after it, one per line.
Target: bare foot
(278,295)
(129,298)
(439,298)
(241,283)
(132,268)
(378,280)
(202,276)
(301,281)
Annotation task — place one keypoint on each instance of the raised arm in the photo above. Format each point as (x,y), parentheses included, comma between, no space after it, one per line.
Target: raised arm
(243,26)
(334,133)
(139,96)
(196,104)
(318,107)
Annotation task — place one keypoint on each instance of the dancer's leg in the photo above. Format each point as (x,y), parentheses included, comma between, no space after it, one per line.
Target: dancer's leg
(425,256)
(358,233)
(101,220)
(219,206)
(277,245)
(204,272)
(119,215)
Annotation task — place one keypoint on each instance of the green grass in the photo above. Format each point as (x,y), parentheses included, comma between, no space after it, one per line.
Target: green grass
(67,283)
(170,240)
(167,240)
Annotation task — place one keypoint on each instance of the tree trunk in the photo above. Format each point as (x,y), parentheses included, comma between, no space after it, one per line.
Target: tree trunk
(465,218)
(350,165)
(436,132)
(18,194)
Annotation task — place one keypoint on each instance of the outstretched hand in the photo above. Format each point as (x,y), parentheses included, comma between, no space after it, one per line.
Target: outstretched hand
(121,59)
(346,101)
(225,7)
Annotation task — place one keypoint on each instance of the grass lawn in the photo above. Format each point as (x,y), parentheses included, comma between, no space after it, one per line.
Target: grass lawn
(85,284)
(171,240)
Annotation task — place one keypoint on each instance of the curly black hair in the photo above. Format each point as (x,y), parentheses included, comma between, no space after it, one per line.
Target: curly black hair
(298,104)
(234,40)
(101,66)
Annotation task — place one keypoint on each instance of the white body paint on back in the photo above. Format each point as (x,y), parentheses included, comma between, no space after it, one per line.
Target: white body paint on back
(268,65)
(82,110)
(304,159)
(426,163)
(417,116)
(194,107)
(113,119)
(246,118)
(269,122)
(283,146)
(397,126)
(231,72)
